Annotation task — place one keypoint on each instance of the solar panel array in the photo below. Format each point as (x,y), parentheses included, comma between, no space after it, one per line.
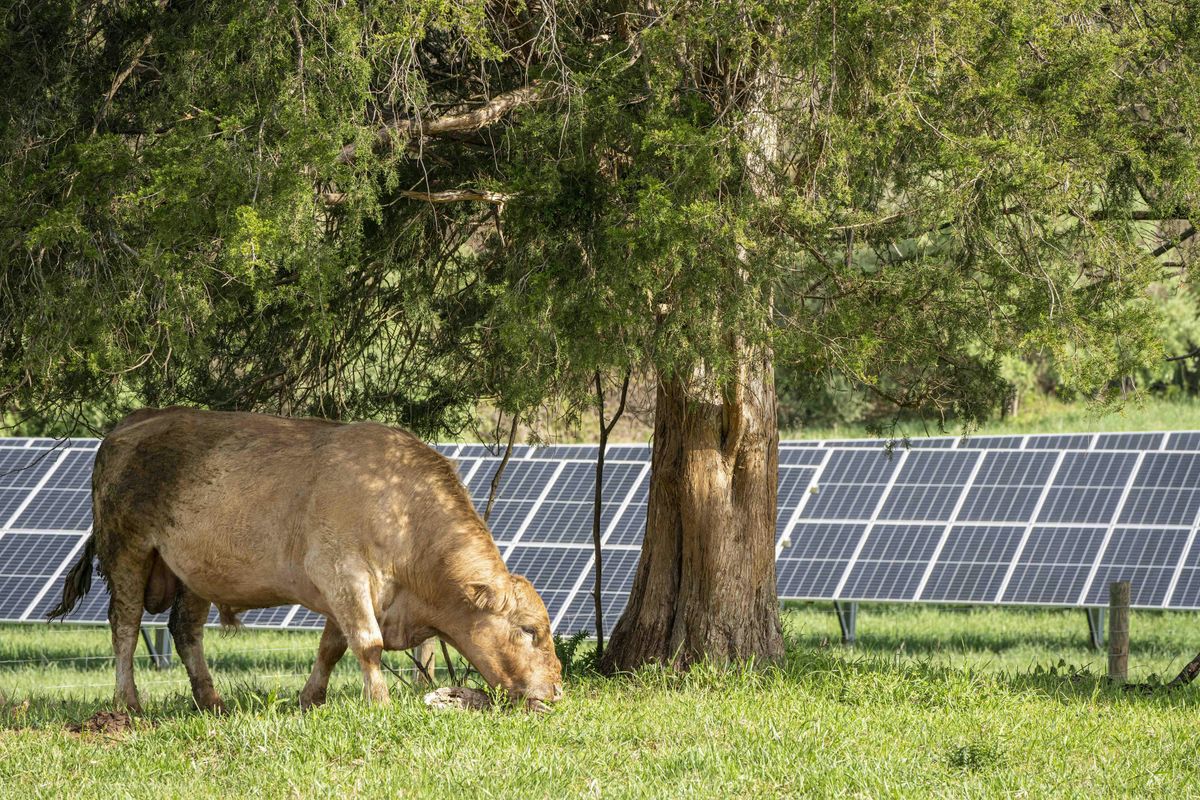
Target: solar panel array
(1038,520)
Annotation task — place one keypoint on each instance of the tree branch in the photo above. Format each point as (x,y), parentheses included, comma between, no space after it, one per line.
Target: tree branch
(1167,247)
(487,114)
(458,196)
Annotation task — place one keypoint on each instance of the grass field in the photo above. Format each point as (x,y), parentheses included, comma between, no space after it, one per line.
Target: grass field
(932,702)
(1042,415)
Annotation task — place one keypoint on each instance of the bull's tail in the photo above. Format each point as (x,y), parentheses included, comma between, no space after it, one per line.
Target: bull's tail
(79,581)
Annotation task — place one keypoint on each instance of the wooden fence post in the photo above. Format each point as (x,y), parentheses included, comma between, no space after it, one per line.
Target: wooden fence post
(1118,631)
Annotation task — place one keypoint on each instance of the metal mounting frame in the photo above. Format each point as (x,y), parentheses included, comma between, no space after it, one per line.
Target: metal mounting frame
(159,646)
(847,616)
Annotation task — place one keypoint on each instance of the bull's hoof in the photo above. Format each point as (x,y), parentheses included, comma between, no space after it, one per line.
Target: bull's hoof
(311,699)
(213,705)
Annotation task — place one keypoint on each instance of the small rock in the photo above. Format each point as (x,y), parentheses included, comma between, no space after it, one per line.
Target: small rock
(459,697)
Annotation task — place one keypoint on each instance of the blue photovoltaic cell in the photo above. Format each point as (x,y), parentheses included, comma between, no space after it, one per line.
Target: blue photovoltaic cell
(306,620)
(999,503)
(892,562)
(1095,469)
(923,503)
(1128,441)
(812,566)
(972,563)
(506,518)
(618,570)
(1187,591)
(553,571)
(796,457)
(625,452)
(1054,565)
(801,443)
(1184,441)
(1084,490)
(264,617)
(793,483)
(1015,469)
(57,510)
(75,471)
(1081,441)
(463,465)
(10,501)
(858,466)
(1079,505)
(521,480)
(999,442)
(519,451)
(871,444)
(566,523)
(1145,558)
(35,554)
(446,449)
(1161,507)
(935,467)
(16,593)
(578,482)
(843,501)
(1181,470)
(631,527)
(560,452)
(932,442)
(23,468)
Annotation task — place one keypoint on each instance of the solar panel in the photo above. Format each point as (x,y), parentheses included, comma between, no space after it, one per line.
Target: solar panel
(1042,519)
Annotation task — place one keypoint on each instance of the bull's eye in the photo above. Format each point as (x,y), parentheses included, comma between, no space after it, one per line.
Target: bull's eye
(530,632)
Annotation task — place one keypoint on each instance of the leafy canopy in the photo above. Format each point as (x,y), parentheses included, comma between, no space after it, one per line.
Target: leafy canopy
(229,204)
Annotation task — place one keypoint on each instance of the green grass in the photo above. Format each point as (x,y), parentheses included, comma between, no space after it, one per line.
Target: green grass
(1041,415)
(933,702)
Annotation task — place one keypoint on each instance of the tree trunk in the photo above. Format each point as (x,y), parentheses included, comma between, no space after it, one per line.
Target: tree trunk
(705,585)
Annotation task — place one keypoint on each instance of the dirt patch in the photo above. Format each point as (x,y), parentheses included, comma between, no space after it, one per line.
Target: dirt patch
(109,723)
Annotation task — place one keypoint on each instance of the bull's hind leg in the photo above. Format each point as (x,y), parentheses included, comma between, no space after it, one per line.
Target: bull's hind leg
(329,652)
(127,585)
(188,615)
(355,615)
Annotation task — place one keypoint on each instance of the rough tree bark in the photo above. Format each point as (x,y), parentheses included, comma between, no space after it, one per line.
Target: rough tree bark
(705,585)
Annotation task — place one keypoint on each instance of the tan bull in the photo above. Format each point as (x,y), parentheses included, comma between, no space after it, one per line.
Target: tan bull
(360,522)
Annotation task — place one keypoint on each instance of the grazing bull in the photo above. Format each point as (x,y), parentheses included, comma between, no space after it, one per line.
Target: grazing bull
(360,522)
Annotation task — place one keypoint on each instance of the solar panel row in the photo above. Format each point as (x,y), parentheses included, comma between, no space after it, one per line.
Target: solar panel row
(1018,522)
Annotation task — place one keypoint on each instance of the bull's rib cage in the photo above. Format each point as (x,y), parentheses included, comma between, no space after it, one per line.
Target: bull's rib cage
(1039,520)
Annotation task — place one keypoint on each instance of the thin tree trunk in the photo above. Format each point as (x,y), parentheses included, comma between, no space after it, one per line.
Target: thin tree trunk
(499,476)
(705,585)
(605,430)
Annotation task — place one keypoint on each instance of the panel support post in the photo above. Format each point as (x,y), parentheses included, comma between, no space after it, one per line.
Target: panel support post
(847,614)
(1118,631)
(159,646)
(1095,620)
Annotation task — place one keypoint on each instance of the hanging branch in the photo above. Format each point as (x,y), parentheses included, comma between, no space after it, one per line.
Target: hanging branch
(512,434)
(481,117)
(605,430)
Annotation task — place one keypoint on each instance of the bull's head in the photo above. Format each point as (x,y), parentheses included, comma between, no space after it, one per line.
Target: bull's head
(508,640)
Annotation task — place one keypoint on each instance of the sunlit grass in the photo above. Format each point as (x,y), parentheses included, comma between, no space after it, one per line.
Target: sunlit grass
(932,702)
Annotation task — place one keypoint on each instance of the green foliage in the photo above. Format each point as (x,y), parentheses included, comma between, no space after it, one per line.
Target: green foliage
(201,208)
(574,654)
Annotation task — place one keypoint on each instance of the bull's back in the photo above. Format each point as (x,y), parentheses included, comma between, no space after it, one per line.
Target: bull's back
(220,496)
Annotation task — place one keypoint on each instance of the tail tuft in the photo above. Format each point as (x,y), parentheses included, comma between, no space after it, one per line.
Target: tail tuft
(78,583)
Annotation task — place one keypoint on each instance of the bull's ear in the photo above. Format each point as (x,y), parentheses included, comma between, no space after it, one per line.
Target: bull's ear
(481,595)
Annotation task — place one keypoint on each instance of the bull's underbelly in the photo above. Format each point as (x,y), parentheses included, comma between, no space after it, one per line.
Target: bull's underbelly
(238,569)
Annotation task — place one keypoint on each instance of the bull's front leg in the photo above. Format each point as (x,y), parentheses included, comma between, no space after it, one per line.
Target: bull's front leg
(329,653)
(355,615)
